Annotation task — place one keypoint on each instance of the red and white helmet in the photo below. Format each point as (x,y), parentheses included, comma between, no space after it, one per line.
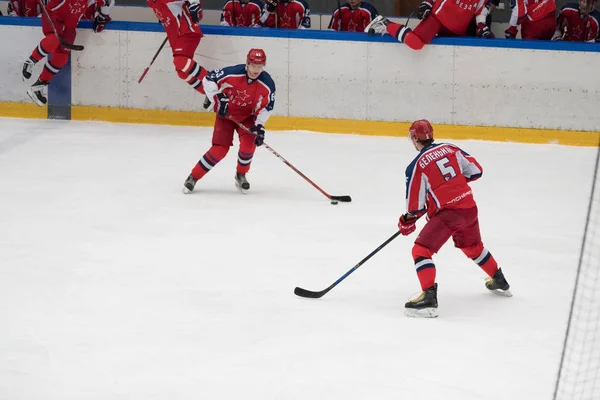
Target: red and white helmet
(421,130)
(256,56)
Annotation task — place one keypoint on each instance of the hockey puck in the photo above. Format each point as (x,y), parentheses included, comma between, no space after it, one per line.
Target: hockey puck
(334,202)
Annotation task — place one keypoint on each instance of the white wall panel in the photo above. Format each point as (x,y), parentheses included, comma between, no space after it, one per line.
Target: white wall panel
(17,44)
(405,84)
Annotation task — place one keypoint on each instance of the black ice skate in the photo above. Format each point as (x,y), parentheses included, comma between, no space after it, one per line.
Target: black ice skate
(189,184)
(377,26)
(241,182)
(498,284)
(425,305)
(27,69)
(37,92)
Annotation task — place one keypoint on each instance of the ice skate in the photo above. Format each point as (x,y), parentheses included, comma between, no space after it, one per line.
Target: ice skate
(189,184)
(37,92)
(498,284)
(424,306)
(241,182)
(27,69)
(377,26)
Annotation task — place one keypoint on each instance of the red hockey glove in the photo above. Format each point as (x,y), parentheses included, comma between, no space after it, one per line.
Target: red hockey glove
(407,224)
(221,104)
(483,31)
(100,22)
(195,9)
(259,131)
(424,9)
(511,32)
(271,5)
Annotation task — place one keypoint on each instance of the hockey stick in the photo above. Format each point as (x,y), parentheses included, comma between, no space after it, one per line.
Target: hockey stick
(298,291)
(153,58)
(334,199)
(64,44)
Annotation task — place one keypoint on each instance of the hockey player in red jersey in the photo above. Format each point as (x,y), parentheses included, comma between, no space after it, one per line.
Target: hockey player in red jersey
(578,22)
(242,13)
(442,17)
(23,8)
(536,18)
(244,93)
(180,20)
(437,184)
(353,16)
(287,14)
(65,15)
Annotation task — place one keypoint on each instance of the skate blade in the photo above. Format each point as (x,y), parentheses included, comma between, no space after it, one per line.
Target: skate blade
(34,98)
(186,190)
(239,187)
(503,293)
(421,313)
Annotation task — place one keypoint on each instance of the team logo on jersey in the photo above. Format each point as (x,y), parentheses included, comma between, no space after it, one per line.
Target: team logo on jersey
(241,98)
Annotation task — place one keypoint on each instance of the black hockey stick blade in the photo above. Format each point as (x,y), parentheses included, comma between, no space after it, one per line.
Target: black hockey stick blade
(309,293)
(343,199)
(74,47)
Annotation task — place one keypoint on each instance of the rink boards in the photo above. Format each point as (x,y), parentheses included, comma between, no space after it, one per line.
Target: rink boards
(327,81)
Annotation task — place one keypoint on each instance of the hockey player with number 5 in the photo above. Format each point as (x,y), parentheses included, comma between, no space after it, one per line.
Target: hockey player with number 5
(437,184)
(244,94)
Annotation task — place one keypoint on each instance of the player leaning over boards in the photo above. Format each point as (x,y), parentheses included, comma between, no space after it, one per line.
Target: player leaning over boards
(440,17)
(244,93)
(437,183)
(180,20)
(64,15)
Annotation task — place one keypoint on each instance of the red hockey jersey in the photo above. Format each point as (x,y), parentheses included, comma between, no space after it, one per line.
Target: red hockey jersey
(293,14)
(438,178)
(247,97)
(348,19)
(457,14)
(533,10)
(238,13)
(575,27)
(69,12)
(24,8)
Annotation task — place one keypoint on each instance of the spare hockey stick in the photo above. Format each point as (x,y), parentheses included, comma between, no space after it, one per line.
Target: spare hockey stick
(317,295)
(334,199)
(153,58)
(75,47)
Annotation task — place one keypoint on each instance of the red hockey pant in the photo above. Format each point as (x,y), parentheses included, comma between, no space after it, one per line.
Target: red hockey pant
(58,56)
(462,225)
(222,140)
(423,33)
(542,29)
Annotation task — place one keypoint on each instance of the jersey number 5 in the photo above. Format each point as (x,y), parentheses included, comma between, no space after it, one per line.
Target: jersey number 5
(446,170)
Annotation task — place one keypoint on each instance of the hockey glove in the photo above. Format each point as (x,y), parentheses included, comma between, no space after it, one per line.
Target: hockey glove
(195,9)
(483,31)
(259,131)
(100,22)
(221,104)
(271,5)
(424,10)
(407,224)
(511,32)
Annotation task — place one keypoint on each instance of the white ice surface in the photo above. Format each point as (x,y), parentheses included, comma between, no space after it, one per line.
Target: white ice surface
(114,285)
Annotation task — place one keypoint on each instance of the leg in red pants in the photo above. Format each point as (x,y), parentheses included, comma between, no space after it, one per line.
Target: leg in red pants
(221,142)
(463,226)
(56,56)
(184,38)
(424,32)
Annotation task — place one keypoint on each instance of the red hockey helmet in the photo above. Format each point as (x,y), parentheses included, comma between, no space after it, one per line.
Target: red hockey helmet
(256,56)
(421,130)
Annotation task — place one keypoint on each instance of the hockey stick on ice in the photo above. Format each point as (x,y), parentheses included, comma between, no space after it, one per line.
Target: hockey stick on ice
(75,47)
(334,199)
(298,291)
(153,58)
